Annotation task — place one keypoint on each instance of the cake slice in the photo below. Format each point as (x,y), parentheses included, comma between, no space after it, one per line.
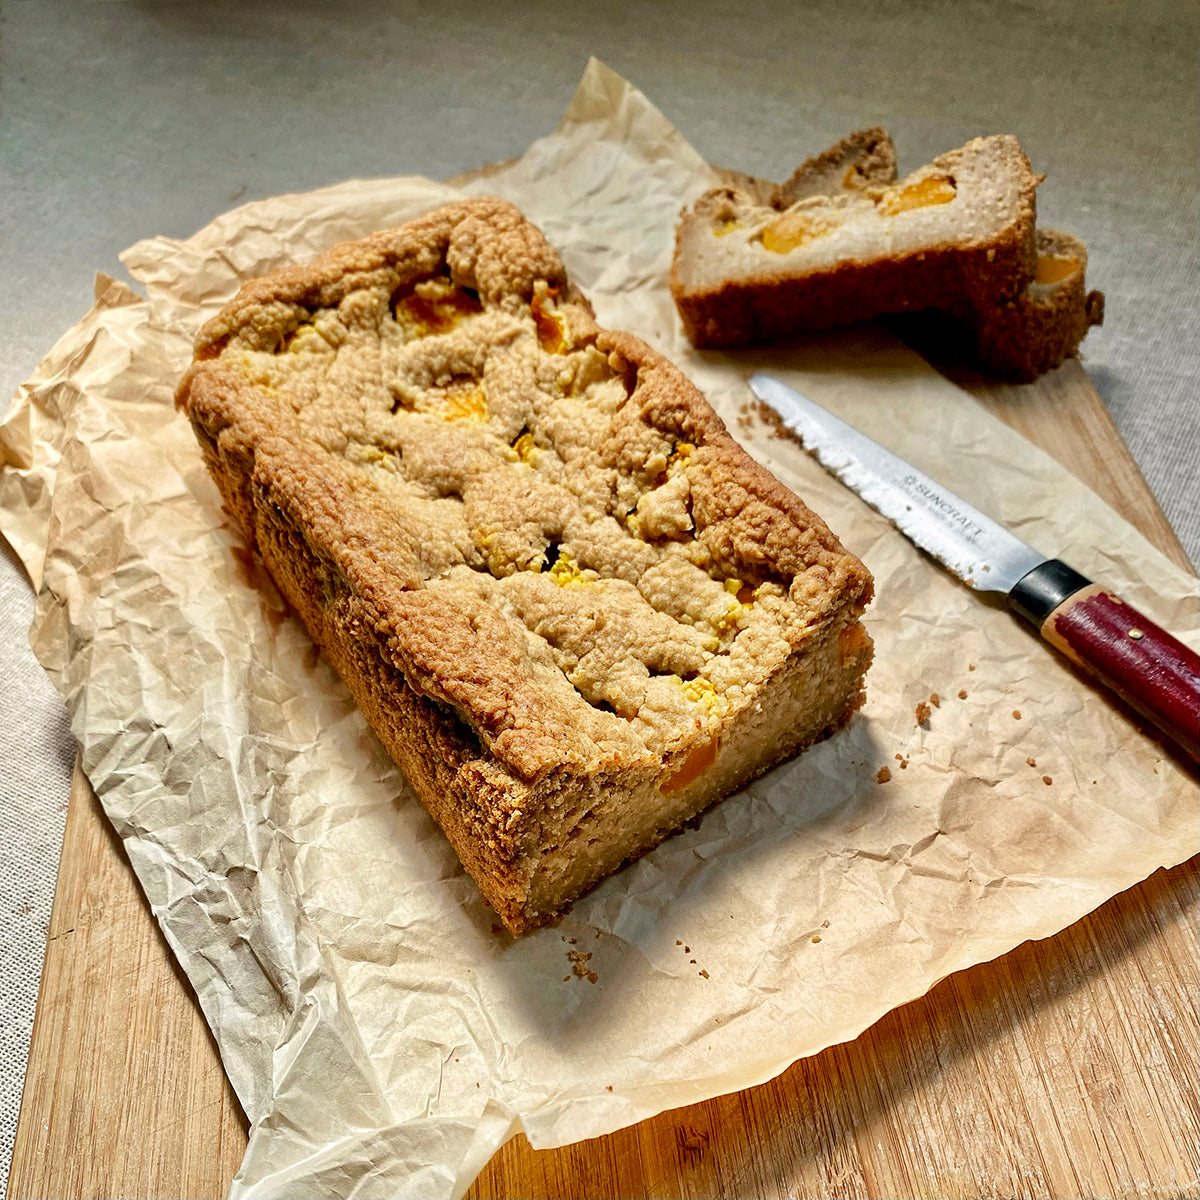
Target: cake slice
(959,228)
(573,609)
(1019,338)
(1037,330)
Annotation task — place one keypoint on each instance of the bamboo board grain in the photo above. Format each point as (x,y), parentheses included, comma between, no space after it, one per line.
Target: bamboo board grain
(1066,1068)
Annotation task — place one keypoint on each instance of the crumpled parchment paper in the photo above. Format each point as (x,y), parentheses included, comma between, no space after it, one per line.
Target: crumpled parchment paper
(383,1037)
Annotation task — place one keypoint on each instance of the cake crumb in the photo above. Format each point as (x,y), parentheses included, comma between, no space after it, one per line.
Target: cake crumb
(883,775)
(678,942)
(1047,780)
(579,965)
(962,693)
(1031,762)
(608,1088)
(1016,714)
(704,973)
(970,666)
(922,712)
(816,937)
(935,700)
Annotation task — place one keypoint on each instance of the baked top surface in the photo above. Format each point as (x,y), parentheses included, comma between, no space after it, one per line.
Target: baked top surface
(862,159)
(550,527)
(967,198)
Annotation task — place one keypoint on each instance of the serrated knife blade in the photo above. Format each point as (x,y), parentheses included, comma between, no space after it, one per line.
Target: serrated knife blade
(1142,663)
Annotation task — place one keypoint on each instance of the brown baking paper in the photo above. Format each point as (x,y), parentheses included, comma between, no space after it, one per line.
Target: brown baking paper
(382,1035)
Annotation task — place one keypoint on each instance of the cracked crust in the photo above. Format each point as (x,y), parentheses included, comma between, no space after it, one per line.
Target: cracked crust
(575,611)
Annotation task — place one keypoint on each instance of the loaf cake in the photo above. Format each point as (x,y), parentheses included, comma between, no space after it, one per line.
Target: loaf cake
(961,227)
(573,609)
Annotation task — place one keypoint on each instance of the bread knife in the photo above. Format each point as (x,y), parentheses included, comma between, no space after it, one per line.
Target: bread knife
(1153,672)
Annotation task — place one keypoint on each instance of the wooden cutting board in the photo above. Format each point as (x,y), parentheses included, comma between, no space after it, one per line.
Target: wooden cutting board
(1067,1068)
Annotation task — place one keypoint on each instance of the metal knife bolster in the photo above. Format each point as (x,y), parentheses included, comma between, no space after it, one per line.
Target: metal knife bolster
(1036,595)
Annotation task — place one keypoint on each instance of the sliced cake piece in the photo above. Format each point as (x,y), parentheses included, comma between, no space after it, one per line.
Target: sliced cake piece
(1024,337)
(573,609)
(959,228)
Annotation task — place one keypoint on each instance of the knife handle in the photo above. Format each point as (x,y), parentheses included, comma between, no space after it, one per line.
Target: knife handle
(1153,672)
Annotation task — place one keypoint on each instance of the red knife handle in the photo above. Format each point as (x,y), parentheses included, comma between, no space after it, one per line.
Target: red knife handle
(1150,670)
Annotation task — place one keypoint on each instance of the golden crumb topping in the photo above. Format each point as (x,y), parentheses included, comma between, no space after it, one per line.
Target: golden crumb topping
(547,517)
